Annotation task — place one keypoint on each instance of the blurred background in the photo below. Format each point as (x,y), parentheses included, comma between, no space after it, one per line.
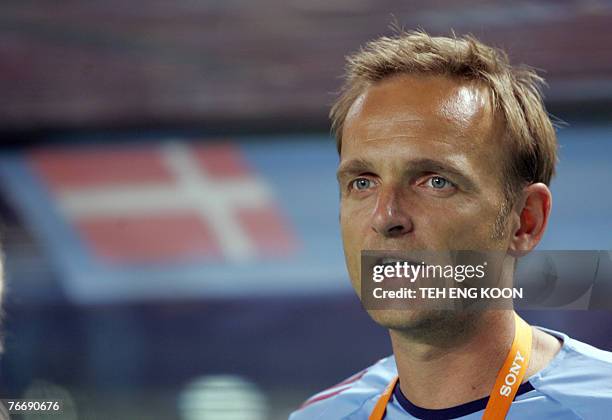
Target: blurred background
(168,203)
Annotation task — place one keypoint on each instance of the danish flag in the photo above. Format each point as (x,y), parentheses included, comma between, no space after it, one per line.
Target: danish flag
(170,202)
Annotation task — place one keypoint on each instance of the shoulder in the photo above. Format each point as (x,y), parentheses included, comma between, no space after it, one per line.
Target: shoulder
(350,396)
(579,377)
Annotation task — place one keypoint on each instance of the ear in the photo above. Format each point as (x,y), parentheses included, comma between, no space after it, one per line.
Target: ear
(533,210)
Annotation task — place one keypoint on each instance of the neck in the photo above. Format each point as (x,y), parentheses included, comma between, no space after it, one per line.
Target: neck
(458,364)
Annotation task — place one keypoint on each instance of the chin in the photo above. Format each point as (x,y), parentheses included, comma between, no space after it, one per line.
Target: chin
(432,325)
(410,320)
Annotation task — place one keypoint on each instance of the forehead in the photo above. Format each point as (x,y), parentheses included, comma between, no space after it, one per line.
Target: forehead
(426,109)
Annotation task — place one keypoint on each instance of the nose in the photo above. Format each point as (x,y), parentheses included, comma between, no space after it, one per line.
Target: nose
(390,219)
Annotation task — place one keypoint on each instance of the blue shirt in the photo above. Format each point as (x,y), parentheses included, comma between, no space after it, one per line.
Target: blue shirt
(576,384)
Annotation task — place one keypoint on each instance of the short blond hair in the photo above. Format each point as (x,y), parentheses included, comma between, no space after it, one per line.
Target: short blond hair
(515,92)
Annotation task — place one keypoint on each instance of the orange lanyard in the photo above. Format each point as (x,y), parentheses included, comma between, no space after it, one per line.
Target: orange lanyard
(506,385)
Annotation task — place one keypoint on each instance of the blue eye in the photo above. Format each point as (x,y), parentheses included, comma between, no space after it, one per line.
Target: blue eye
(361,184)
(438,182)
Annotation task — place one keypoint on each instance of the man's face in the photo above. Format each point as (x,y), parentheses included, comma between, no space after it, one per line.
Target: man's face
(420,169)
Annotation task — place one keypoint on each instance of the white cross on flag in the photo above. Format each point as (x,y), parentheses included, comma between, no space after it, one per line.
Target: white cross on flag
(167,203)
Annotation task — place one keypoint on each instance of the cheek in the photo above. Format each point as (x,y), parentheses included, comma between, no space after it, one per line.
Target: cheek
(352,243)
(354,223)
(462,224)
(354,227)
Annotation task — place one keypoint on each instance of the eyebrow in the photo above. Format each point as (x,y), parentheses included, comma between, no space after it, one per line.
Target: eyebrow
(353,167)
(361,166)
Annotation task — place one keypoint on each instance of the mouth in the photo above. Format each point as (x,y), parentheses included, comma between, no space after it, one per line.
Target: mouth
(389,261)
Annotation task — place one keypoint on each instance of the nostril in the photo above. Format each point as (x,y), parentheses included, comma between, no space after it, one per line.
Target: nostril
(395,230)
